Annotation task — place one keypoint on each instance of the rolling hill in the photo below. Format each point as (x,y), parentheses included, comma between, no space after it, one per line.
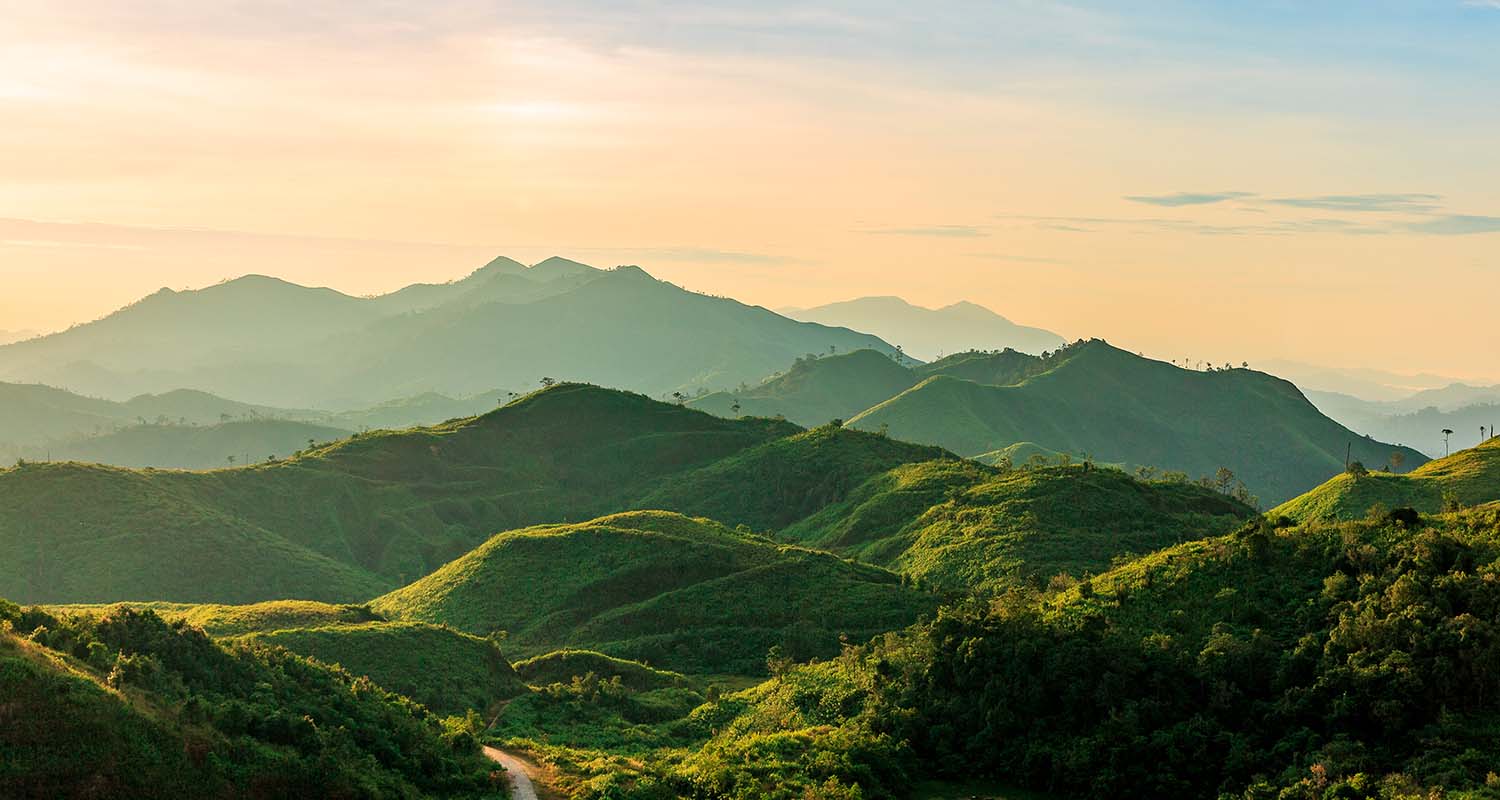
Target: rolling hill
(927,333)
(1321,661)
(1121,408)
(447,671)
(346,521)
(1469,477)
(504,325)
(958,526)
(686,594)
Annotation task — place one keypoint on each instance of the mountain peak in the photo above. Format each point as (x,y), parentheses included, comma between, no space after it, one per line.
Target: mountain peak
(500,265)
(559,267)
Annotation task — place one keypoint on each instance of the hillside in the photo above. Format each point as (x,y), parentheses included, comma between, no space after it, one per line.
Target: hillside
(1322,661)
(128,706)
(776,483)
(349,520)
(956,525)
(686,594)
(1121,408)
(1469,478)
(504,325)
(927,333)
(445,670)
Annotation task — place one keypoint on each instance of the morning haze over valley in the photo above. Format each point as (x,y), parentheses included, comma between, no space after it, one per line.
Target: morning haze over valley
(636,401)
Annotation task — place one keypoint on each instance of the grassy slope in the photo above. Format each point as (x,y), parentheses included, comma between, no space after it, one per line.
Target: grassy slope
(345,521)
(781,481)
(561,666)
(1472,476)
(127,706)
(961,525)
(659,587)
(447,671)
(1121,408)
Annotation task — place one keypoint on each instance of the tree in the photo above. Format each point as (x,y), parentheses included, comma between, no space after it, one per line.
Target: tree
(679,397)
(547,383)
(1446,433)
(231,461)
(1356,469)
(1397,459)
(310,443)
(734,408)
(1223,479)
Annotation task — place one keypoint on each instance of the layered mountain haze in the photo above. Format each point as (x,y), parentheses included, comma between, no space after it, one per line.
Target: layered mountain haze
(268,341)
(928,333)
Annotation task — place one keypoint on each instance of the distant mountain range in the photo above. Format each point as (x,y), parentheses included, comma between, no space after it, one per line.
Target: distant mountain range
(1364,383)
(928,333)
(275,343)
(1419,420)
(187,429)
(1088,398)
(6,337)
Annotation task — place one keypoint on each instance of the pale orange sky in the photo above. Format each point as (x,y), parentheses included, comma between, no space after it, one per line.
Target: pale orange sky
(1227,184)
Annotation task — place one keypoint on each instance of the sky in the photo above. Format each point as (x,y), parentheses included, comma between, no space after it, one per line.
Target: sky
(1218,180)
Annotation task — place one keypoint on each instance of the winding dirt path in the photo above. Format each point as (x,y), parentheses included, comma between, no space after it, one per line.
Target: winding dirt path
(515,771)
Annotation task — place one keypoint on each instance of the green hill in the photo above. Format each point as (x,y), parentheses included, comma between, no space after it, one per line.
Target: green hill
(774,484)
(346,521)
(1468,477)
(447,671)
(1332,661)
(225,620)
(562,666)
(687,594)
(958,525)
(1121,408)
(125,705)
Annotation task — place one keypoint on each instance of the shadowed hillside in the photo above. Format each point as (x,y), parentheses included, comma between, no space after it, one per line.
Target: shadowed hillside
(125,705)
(687,594)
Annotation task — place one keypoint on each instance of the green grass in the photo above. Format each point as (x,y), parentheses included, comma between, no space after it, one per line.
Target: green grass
(681,593)
(126,705)
(1471,477)
(448,671)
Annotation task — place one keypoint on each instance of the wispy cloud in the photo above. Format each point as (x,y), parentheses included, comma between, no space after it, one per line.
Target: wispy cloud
(1456,224)
(1404,202)
(1014,258)
(947,231)
(1177,199)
